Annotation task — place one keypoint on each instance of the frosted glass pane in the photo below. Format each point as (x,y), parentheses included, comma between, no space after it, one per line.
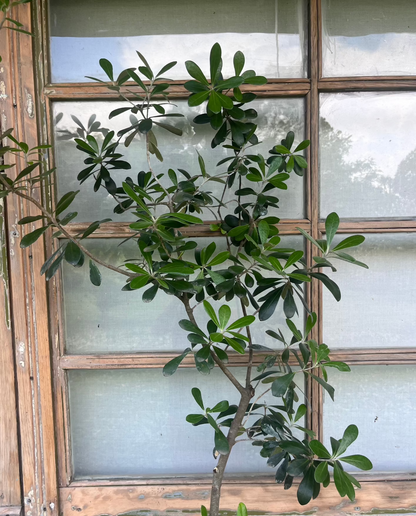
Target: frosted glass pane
(368,154)
(276,118)
(105,319)
(380,401)
(377,308)
(271,34)
(375,37)
(132,422)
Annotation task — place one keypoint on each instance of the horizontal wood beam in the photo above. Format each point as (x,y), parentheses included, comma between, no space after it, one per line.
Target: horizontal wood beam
(98,91)
(377,496)
(360,84)
(373,226)
(158,360)
(122,229)
(12,510)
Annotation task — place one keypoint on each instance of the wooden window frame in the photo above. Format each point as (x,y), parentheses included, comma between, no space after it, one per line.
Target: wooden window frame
(36,373)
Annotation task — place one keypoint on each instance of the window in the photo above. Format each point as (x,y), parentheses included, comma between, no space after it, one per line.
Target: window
(340,74)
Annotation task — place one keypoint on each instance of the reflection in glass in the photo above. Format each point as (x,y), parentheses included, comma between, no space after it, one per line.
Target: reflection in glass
(271,33)
(380,401)
(109,320)
(276,118)
(375,37)
(368,154)
(377,308)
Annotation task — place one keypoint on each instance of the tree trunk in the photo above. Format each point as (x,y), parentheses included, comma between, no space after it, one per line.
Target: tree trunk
(219,470)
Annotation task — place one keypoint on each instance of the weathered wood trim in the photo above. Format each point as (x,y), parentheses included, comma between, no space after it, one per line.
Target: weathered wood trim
(374,226)
(374,84)
(11,510)
(97,91)
(122,229)
(158,360)
(29,303)
(260,498)
(10,488)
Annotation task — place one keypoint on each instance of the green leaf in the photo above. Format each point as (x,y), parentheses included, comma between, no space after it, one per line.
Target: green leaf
(269,306)
(359,461)
(242,322)
(281,384)
(321,472)
(224,314)
(221,443)
(145,125)
(31,238)
(215,62)
(204,511)
(242,509)
(166,68)
(293,258)
(28,220)
(65,202)
(198,98)
(330,390)
(171,367)
(263,229)
(95,274)
(196,393)
(301,411)
(350,435)
(319,449)
(214,103)
(221,406)
(211,313)
(302,145)
(108,68)
(73,253)
(189,326)
(258,80)
(150,293)
(233,82)
(54,267)
(305,489)
(311,239)
(331,227)
(196,72)
(220,258)
(26,171)
(194,418)
(351,241)
(235,345)
(139,282)
(342,483)
(341,366)
(329,284)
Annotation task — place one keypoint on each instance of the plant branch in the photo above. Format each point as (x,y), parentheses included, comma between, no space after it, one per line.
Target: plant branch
(55,223)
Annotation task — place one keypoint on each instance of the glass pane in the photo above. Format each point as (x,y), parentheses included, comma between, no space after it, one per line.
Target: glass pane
(377,308)
(108,320)
(375,37)
(132,422)
(368,154)
(380,401)
(276,118)
(271,34)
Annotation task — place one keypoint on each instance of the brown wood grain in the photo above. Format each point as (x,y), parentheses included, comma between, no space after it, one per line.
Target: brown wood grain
(11,510)
(29,304)
(122,229)
(97,91)
(260,498)
(10,493)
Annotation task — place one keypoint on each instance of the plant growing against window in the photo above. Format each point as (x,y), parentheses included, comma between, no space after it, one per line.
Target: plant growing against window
(226,293)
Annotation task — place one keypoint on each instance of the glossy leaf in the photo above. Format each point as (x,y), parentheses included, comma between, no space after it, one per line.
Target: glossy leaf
(171,367)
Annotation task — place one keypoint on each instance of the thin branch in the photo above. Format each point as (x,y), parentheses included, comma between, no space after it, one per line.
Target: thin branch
(55,223)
